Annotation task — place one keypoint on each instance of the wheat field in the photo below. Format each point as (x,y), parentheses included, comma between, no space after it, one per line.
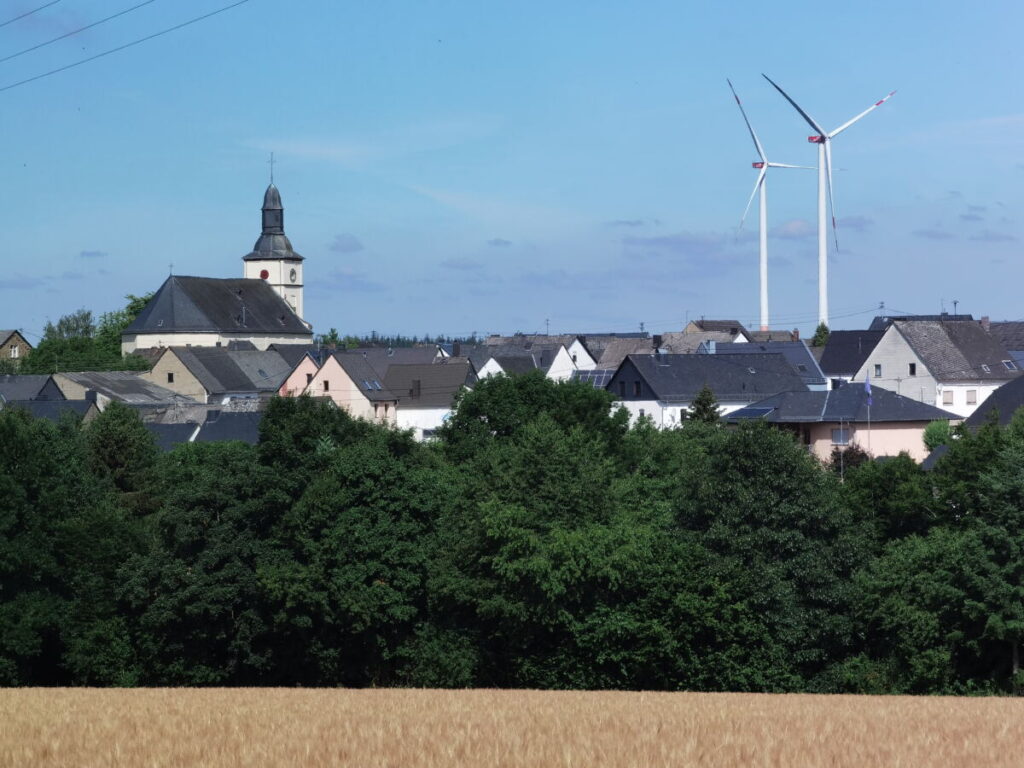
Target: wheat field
(330,727)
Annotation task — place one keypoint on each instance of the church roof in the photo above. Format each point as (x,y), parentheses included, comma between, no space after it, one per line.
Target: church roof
(217,305)
(272,243)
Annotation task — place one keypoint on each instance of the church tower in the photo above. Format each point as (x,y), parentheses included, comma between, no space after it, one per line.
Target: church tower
(272,258)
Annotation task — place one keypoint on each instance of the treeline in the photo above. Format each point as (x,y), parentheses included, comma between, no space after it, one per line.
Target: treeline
(541,542)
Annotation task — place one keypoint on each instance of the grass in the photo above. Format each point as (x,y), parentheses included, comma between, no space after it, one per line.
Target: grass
(295,727)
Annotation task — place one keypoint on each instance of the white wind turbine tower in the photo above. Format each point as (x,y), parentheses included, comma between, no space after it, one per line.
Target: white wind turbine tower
(760,185)
(823,139)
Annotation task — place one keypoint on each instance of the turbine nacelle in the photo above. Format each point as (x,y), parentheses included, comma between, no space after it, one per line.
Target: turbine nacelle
(816,139)
(757,165)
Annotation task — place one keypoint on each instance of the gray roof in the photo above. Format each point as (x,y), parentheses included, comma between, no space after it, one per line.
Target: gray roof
(773,335)
(218,305)
(515,358)
(365,377)
(380,358)
(52,410)
(221,370)
(617,350)
(882,322)
(293,353)
(529,340)
(847,403)
(272,243)
(437,383)
(731,327)
(1008,333)
(167,436)
(513,364)
(126,387)
(796,352)
(957,350)
(1006,400)
(22,386)
(685,343)
(221,425)
(5,335)
(730,377)
(845,351)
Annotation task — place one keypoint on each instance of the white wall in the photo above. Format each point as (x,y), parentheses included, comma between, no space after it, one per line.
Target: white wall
(562,366)
(666,415)
(584,362)
(136,341)
(419,419)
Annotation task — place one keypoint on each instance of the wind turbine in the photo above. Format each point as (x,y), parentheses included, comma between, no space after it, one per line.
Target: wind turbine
(760,186)
(823,139)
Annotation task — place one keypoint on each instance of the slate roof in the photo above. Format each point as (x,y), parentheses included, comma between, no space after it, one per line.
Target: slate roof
(512,364)
(687,343)
(514,358)
(220,426)
(438,383)
(618,350)
(380,358)
(293,353)
(221,370)
(1008,333)
(678,378)
(845,351)
(53,410)
(957,350)
(364,376)
(529,340)
(847,403)
(773,336)
(796,353)
(22,386)
(731,327)
(167,436)
(882,322)
(1006,400)
(126,387)
(211,305)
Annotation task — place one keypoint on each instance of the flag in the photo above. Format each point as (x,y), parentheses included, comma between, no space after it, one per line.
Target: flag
(867,387)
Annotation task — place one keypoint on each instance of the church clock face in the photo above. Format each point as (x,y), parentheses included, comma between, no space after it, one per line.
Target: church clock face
(293,276)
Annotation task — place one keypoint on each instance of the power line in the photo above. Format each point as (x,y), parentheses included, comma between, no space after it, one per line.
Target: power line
(126,45)
(29,13)
(75,31)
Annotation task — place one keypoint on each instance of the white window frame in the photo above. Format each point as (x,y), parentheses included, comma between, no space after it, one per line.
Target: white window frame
(947,397)
(844,435)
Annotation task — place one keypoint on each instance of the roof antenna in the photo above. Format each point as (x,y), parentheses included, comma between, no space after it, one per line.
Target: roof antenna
(271,162)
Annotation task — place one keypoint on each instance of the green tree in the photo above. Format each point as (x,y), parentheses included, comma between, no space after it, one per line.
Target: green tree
(820,335)
(121,451)
(704,407)
(937,433)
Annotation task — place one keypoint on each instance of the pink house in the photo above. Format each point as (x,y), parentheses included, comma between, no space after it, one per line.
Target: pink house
(300,377)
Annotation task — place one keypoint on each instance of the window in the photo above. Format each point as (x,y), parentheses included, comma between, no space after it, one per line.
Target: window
(641,413)
(947,397)
(841,436)
(878,371)
(385,409)
(912,369)
(972,397)
(170,377)
(15,350)
(985,368)
(636,389)
(309,379)
(327,385)
(1010,365)
(622,389)
(837,383)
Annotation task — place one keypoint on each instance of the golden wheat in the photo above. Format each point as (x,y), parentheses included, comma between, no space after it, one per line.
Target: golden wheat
(231,728)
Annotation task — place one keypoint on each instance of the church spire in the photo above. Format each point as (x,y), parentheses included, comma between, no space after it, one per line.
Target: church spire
(273,212)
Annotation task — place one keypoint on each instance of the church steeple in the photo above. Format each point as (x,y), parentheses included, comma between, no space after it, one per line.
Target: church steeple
(273,212)
(272,258)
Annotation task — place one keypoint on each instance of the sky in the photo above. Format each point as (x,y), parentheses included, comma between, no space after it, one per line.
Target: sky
(458,167)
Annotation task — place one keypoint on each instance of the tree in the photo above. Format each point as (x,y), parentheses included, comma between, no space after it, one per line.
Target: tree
(704,407)
(121,451)
(937,433)
(820,335)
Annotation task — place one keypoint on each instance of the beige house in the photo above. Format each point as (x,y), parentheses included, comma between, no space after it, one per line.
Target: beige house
(13,346)
(880,422)
(219,374)
(353,384)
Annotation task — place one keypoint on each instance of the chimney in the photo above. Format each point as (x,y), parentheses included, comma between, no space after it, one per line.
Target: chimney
(456,349)
(986,323)
(657,341)
(712,347)
(796,334)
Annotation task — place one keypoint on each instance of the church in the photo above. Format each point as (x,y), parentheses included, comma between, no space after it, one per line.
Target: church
(262,307)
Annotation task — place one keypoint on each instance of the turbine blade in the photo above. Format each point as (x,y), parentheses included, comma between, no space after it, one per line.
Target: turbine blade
(831,200)
(872,108)
(787,165)
(757,186)
(810,120)
(757,144)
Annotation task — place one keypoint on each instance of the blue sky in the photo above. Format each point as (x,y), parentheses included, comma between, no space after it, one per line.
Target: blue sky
(449,167)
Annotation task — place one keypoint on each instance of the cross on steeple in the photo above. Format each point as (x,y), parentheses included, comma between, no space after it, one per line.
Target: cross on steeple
(271,163)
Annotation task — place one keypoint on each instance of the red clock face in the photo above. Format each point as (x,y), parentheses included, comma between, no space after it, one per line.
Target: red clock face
(264,274)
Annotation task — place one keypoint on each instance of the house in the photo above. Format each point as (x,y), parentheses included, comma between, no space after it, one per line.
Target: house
(733,328)
(120,386)
(838,418)
(617,350)
(29,387)
(662,386)
(220,374)
(882,322)
(13,346)
(304,365)
(426,393)
(951,364)
(55,410)
(596,343)
(263,307)
(797,353)
(793,335)
(351,382)
(845,352)
(553,359)
(221,426)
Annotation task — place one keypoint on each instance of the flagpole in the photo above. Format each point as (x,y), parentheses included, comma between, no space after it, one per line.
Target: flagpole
(867,391)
